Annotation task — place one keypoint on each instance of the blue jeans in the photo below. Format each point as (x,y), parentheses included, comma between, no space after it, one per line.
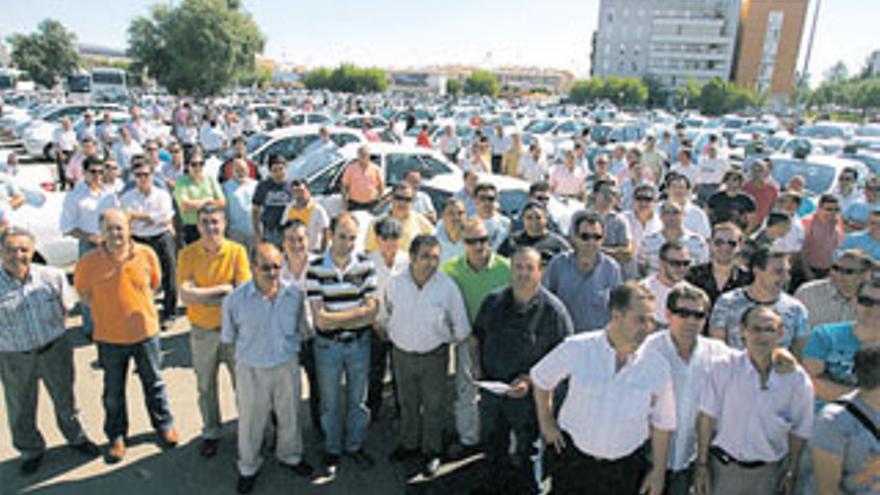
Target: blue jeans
(114,359)
(332,360)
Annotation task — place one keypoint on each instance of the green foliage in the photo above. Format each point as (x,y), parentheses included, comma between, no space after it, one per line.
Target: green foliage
(481,82)
(453,86)
(260,77)
(48,54)
(586,90)
(718,97)
(347,78)
(856,93)
(200,46)
(687,96)
(658,94)
(620,90)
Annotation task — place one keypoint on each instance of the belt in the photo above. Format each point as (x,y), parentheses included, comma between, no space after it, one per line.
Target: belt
(442,348)
(344,336)
(42,349)
(726,458)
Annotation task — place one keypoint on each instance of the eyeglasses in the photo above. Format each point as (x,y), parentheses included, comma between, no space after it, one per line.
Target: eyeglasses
(670,212)
(645,198)
(767,329)
(270,267)
(477,240)
(831,210)
(152,149)
(724,242)
(196,164)
(868,302)
(96,171)
(846,271)
(689,313)
(405,199)
(176,150)
(677,263)
(486,198)
(141,175)
(587,236)
(542,199)
(845,178)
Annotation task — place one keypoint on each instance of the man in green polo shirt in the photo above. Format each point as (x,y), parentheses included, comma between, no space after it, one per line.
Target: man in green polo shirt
(194,190)
(478,272)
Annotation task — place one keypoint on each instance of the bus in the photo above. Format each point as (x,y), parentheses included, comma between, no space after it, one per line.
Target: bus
(79,86)
(108,84)
(14,79)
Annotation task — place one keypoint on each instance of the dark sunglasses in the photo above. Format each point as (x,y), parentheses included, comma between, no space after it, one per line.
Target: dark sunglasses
(678,263)
(724,242)
(586,236)
(868,302)
(645,198)
(141,175)
(846,271)
(768,329)
(196,164)
(270,267)
(96,171)
(689,313)
(486,198)
(406,199)
(477,240)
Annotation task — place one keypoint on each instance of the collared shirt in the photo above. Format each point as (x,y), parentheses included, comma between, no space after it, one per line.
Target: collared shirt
(341,289)
(229,265)
(499,144)
(314,217)
(661,292)
(498,228)
(821,239)
(186,188)
(753,421)
(608,412)
(688,379)
(32,310)
(476,285)
(826,303)
(123,152)
(169,172)
(728,310)
(65,140)
(383,276)
(266,332)
(80,209)
(703,277)
(567,182)
(364,185)
(532,170)
(157,205)
(649,255)
(411,226)
(585,295)
(696,220)
(239,197)
(422,203)
(639,230)
(422,319)
(513,336)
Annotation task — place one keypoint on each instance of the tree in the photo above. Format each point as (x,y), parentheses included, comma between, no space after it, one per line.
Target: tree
(867,94)
(347,78)
(200,46)
(586,90)
(687,96)
(658,94)
(481,82)
(48,54)
(838,73)
(453,86)
(718,97)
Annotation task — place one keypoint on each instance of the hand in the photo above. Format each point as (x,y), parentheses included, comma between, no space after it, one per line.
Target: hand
(702,480)
(552,435)
(654,481)
(784,361)
(787,483)
(518,389)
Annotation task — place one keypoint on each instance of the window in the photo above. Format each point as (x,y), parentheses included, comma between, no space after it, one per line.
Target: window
(327,182)
(398,164)
(343,139)
(432,167)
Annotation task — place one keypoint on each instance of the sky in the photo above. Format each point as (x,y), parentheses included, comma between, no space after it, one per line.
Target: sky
(397,33)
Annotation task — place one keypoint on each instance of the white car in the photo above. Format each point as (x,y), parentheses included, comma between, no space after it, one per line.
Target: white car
(39,137)
(291,142)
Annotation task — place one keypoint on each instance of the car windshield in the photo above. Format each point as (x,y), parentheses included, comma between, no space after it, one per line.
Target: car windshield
(255,141)
(818,177)
(539,126)
(316,162)
(821,131)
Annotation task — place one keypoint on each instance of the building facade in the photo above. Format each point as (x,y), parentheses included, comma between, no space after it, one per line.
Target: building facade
(769,42)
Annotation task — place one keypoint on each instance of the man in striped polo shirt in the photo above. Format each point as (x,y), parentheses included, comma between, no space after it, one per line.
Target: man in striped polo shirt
(341,288)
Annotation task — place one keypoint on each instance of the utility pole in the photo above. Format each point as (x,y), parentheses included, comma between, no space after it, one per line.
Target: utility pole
(806,67)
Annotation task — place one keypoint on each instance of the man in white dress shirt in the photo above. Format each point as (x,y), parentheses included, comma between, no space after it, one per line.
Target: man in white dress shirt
(619,398)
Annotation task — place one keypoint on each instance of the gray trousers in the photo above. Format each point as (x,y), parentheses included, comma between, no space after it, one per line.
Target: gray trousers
(732,479)
(259,392)
(421,382)
(20,373)
(207,354)
(467,407)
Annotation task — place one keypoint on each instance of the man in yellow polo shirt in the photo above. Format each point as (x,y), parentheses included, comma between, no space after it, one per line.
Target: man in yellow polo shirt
(208,270)
(413,223)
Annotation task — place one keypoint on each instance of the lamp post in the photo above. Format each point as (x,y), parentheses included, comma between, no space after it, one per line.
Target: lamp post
(798,84)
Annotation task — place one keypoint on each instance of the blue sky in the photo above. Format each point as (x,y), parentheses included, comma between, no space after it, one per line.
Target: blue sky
(398,33)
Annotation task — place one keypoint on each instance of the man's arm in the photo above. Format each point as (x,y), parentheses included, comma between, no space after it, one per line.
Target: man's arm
(656,478)
(546,422)
(256,213)
(825,388)
(82,235)
(702,478)
(209,296)
(339,320)
(789,477)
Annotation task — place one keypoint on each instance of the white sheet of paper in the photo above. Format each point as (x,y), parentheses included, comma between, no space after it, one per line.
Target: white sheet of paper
(498,388)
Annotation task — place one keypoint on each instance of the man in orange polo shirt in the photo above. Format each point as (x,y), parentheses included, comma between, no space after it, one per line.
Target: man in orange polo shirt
(362,182)
(117,281)
(208,270)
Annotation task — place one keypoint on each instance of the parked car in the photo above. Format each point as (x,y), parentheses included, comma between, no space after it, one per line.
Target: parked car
(820,171)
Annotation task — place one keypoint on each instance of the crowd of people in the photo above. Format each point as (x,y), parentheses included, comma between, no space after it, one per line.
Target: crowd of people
(697,328)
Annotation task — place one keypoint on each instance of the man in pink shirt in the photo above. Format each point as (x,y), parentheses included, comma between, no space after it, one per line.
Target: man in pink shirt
(823,235)
(362,182)
(763,190)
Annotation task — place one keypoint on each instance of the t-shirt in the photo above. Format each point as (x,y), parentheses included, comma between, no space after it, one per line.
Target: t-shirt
(725,208)
(475,286)
(835,345)
(764,194)
(273,197)
(837,431)
(185,189)
(728,311)
(228,266)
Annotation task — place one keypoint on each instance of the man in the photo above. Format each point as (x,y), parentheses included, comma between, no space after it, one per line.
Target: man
(867,240)
(857,213)
(194,191)
(753,420)
(539,192)
(125,149)
(770,272)
(598,445)
(674,263)
(323,143)
(511,158)
(618,240)
(74,171)
(477,273)
(468,193)
(762,189)
(533,165)
(426,313)
(722,273)
(207,271)
(642,220)
(239,193)
(567,179)
(679,191)
(117,281)
(517,325)
(671,216)
(828,357)
(65,143)
(730,204)
(832,299)
(174,168)
(535,234)
(823,235)
(685,166)
(689,356)
(499,144)
(449,229)
(848,192)
(265,320)
(412,223)
(341,290)
(583,279)
(151,212)
(269,202)
(654,158)
(34,347)
(239,148)
(308,212)
(362,182)
(421,201)
(497,225)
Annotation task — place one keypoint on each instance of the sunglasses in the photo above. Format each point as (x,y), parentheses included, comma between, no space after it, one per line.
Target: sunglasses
(689,313)
(270,267)
(96,171)
(196,164)
(405,199)
(724,242)
(645,198)
(542,199)
(670,212)
(846,271)
(141,175)
(586,236)
(477,240)
(678,263)
(486,198)
(768,329)
(868,302)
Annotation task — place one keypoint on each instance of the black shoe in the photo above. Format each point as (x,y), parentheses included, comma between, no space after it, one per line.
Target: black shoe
(300,469)
(401,454)
(30,466)
(362,459)
(331,460)
(208,448)
(246,483)
(430,466)
(459,451)
(87,448)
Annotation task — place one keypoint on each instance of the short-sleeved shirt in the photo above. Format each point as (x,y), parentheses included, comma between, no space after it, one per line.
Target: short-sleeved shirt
(835,345)
(838,432)
(32,310)
(185,189)
(514,337)
(703,277)
(764,194)
(121,294)
(80,209)
(726,208)
(413,225)
(730,307)
(228,266)
(314,217)
(585,295)
(273,198)
(476,285)
(239,196)
(826,303)
(616,230)
(341,289)
(567,182)
(364,186)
